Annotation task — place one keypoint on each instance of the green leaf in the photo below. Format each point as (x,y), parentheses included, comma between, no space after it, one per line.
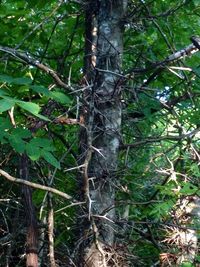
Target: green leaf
(21,132)
(10,80)
(42,117)
(17,143)
(33,152)
(22,81)
(16,139)
(188,189)
(39,3)
(32,108)
(3,140)
(40,89)
(2,93)
(60,97)
(195,169)
(42,143)
(196,3)
(38,147)
(187,264)
(5,124)
(6,104)
(51,159)
(6,78)
(29,106)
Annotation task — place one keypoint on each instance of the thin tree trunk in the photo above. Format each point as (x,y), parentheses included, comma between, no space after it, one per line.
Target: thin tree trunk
(100,138)
(51,232)
(32,229)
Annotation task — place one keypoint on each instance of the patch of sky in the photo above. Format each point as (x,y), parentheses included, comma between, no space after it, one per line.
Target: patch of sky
(163,95)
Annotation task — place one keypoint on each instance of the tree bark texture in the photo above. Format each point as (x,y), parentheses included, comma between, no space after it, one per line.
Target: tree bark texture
(31,219)
(100,138)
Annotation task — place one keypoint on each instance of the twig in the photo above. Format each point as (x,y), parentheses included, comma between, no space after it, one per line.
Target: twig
(34,185)
(51,232)
(123,202)
(102,217)
(75,168)
(31,61)
(163,138)
(71,205)
(187,51)
(11,115)
(40,24)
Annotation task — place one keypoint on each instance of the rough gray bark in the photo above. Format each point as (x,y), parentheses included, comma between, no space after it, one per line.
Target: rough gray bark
(100,138)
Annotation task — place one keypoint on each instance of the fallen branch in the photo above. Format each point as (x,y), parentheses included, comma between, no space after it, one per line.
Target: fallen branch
(34,185)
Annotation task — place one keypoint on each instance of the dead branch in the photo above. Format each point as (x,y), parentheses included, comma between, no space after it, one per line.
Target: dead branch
(26,58)
(162,138)
(34,185)
(187,51)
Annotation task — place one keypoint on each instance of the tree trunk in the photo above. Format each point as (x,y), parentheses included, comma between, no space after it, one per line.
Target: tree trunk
(31,219)
(100,136)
